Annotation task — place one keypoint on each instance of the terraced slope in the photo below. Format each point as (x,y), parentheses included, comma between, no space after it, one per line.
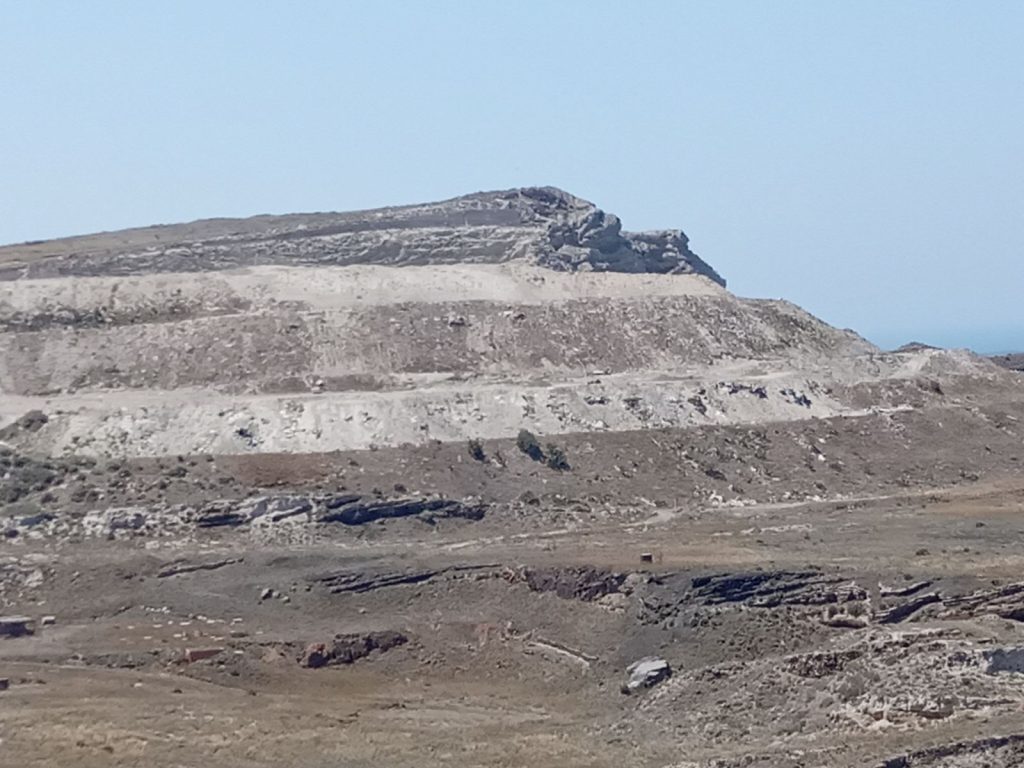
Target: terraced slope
(474,317)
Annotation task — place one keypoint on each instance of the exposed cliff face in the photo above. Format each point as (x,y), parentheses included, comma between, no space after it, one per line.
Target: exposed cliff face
(582,236)
(540,224)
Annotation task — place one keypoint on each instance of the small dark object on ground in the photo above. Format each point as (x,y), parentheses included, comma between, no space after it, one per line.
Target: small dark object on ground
(16,626)
(556,459)
(527,442)
(476,450)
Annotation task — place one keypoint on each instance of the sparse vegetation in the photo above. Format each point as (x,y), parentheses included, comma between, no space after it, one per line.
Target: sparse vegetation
(556,459)
(553,456)
(21,476)
(476,450)
(527,442)
(856,609)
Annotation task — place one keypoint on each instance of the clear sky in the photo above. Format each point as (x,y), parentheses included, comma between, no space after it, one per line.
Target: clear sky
(862,158)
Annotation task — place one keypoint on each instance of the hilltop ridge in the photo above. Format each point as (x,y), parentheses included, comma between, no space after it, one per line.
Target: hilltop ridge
(544,225)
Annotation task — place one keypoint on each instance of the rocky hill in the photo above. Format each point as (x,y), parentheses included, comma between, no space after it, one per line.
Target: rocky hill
(474,317)
(488,481)
(542,224)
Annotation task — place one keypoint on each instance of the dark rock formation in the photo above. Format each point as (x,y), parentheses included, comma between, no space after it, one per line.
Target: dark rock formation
(666,597)
(583,583)
(542,224)
(1006,601)
(994,751)
(1014,362)
(32,421)
(358,512)
(22,474)
(363,581)
(769,589)
(217,519)
(16,626)
(582,236)
(903,611)
(348,509)
(1005,660)
(345,649)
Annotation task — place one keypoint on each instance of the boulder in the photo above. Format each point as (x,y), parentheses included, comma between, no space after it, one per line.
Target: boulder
(646,673)
(16,626)
(200,654)
(316,655)
(583,583)
(1005,660)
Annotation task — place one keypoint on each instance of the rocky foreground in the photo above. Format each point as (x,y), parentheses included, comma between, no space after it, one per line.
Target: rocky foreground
(488,482)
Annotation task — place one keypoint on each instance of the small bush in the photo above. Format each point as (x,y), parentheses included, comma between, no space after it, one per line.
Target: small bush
(556,458)
(476,450)
(12,491)
(527,443)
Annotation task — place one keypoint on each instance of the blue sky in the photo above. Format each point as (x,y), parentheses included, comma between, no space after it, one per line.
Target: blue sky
(863,159)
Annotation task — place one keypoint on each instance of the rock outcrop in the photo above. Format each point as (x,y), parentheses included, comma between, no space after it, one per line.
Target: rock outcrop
(346,649)
(542,224)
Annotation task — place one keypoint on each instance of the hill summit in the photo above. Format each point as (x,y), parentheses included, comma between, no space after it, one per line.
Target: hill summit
(542,224)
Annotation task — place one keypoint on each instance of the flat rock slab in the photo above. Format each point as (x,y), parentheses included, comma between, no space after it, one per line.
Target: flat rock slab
(16,626)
